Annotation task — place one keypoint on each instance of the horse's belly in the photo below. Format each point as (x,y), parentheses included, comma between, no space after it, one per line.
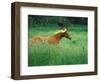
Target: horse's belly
(53,41)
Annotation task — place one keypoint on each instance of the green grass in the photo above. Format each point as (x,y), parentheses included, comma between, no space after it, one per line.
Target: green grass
(68,52)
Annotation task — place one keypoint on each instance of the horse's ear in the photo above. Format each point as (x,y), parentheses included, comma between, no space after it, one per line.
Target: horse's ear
(67,29)
(64,29)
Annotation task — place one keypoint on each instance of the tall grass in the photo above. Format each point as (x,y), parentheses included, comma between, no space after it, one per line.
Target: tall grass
(68,52)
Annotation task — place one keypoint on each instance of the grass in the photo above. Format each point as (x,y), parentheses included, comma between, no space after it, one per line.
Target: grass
(68,52)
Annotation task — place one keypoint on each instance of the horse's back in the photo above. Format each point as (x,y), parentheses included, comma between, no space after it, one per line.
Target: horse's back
(38,39)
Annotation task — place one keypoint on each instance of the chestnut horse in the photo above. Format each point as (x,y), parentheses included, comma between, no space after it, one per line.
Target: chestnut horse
(53,39)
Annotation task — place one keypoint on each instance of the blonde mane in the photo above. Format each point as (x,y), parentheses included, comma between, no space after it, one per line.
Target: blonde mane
(60,31)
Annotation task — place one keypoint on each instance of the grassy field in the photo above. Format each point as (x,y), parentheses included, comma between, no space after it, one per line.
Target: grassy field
(68,52)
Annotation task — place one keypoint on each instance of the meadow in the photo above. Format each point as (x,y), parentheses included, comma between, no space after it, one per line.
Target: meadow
(68,52)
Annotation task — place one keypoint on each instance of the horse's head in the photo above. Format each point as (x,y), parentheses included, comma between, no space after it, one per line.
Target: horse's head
(63,33)
(66,34)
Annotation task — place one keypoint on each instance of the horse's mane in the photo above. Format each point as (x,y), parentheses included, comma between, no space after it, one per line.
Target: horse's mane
(59,31)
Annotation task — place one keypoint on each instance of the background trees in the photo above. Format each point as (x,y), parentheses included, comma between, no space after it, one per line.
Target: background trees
(60,21)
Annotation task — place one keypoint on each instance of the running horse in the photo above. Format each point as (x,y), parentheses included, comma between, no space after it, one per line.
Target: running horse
(53,39)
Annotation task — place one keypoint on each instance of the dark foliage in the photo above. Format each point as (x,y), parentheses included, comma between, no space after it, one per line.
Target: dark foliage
(60,21)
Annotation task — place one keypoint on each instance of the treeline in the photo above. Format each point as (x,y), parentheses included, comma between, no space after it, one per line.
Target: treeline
(34,20)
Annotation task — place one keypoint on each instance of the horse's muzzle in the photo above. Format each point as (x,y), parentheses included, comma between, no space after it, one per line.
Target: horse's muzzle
(69,38)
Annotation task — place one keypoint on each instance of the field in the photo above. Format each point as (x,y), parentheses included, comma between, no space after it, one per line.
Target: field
(68,52)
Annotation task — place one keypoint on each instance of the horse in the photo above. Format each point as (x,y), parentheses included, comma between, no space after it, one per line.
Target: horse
(52,39)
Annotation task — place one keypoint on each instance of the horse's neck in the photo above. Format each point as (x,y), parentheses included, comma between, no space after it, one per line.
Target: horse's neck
(57,36)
